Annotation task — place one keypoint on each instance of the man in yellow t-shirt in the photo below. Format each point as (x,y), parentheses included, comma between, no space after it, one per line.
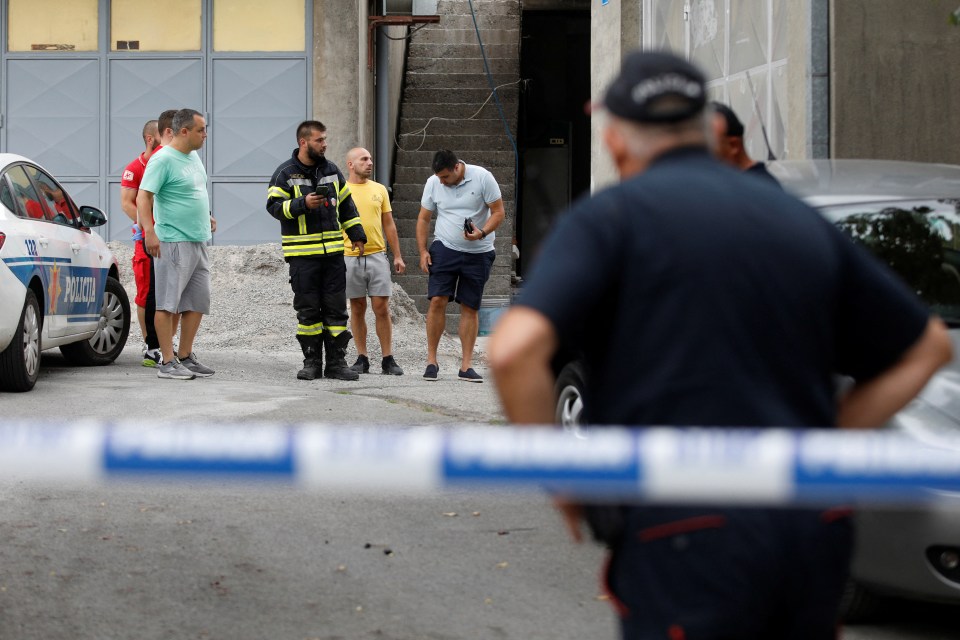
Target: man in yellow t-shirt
(369,274)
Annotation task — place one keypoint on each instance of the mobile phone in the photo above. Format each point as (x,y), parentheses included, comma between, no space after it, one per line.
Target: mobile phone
(468,225)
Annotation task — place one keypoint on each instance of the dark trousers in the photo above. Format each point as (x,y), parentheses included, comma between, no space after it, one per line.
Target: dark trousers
(150,308)
(730,574)
(319,297)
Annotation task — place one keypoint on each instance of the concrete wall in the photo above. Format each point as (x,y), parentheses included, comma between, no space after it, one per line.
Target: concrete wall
(342,84)
(615,29)
(344,95)
(895,89)
(808,78)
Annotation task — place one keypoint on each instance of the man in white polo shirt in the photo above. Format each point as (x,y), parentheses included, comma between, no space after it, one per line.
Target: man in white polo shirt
(469,208)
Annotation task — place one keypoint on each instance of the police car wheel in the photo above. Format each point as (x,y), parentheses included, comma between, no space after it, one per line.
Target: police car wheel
(111,336)
(20,361)
(569,391)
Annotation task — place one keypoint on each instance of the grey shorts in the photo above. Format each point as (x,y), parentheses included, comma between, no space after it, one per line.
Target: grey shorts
(368,276)
(182,274)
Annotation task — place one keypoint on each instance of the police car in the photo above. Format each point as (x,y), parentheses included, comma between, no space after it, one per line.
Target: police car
(59,283)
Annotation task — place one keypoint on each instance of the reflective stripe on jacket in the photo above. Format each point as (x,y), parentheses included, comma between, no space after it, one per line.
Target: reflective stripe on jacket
(312,232)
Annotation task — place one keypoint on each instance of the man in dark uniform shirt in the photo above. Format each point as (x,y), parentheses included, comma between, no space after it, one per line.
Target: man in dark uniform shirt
(694,306)
(729,131)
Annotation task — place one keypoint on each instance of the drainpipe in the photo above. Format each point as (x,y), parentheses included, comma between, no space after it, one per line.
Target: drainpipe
(382,127)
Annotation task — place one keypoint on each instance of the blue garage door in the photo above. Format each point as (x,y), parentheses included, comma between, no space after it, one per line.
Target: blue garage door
(256,107)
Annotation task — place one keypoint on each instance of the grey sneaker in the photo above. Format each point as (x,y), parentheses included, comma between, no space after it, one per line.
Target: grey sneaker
(200,370)
(174,370)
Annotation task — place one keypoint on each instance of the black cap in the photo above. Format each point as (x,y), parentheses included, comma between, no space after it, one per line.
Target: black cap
(647,79)
(734,126)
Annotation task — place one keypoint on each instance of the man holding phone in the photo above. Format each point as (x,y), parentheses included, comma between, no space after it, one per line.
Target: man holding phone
(469,208)
(312,201)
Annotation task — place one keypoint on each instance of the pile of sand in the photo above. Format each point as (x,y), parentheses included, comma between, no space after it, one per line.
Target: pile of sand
(252,310)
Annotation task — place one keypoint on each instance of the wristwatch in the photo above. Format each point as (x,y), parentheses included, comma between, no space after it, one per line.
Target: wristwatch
(483,234)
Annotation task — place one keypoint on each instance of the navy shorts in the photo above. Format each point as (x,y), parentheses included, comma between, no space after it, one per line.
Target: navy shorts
(724,574)
(458,275)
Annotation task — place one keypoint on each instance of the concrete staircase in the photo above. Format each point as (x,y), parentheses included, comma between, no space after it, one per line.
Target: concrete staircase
(445,79)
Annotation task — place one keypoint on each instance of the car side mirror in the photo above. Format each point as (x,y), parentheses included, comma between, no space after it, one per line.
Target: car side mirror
(92,217)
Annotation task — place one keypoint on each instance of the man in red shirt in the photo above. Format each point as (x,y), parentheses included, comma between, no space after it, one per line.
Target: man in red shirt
(142,263)
(156,133)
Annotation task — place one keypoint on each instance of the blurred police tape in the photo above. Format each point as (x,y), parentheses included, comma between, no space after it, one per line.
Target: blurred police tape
(691,465)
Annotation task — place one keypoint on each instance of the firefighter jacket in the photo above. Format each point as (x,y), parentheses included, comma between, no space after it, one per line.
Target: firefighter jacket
(308,232)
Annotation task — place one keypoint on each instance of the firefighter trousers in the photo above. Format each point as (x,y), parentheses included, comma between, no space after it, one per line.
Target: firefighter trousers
(319,297)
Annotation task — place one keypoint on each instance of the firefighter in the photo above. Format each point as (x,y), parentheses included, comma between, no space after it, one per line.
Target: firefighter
(311,199)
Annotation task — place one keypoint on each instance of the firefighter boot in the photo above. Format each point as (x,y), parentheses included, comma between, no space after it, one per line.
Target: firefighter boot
(337,358)
(312,360)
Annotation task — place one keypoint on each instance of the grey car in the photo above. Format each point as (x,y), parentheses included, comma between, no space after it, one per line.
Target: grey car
(908,214)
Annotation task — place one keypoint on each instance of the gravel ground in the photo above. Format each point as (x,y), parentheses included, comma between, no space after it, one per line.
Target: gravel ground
(252,310)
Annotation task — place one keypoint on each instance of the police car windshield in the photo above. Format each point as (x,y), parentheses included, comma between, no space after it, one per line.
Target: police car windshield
(919,239)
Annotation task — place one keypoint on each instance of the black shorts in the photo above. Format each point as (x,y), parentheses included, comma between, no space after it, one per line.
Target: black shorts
(731,574)
(458,275)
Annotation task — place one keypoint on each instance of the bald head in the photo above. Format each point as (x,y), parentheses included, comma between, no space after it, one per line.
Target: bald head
(359,165)
(151,135)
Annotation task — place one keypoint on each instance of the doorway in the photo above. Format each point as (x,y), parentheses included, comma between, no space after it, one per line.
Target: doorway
(554,129)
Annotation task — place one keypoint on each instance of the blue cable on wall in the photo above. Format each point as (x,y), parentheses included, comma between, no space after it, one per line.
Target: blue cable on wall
(496,97)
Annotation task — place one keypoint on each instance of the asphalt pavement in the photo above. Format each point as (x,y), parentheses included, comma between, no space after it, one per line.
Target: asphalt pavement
(225,560)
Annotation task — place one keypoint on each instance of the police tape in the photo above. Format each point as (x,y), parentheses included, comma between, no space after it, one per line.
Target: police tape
(691,465)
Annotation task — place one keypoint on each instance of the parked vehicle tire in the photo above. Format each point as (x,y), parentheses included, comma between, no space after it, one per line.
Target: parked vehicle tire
(20,361)
(569,392)
(111,336)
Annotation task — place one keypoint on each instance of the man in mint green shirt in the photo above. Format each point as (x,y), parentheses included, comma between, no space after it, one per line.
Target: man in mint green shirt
(174,210)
